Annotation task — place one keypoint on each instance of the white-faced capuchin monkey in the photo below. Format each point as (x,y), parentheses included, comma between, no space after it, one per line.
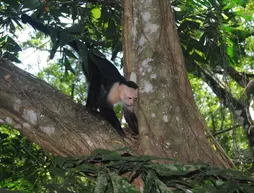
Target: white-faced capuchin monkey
(108,87)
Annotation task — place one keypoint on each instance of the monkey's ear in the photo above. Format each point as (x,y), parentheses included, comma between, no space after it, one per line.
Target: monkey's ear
(132,84)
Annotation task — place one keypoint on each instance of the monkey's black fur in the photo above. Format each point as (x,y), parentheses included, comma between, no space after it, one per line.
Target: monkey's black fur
(104,76)
(101,75)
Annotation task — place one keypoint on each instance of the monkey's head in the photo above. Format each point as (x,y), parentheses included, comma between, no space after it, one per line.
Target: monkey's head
(128,93)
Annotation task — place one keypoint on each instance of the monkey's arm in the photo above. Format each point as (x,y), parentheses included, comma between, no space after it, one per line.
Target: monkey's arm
(108,113)
(131,119)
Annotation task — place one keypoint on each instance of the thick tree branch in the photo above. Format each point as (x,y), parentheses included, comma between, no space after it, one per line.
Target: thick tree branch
(49,118)
(240,77)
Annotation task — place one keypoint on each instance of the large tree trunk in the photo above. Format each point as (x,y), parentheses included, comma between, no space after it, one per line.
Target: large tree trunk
(170,123)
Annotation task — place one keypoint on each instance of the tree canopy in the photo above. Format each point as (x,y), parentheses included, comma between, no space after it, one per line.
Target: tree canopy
(216,38)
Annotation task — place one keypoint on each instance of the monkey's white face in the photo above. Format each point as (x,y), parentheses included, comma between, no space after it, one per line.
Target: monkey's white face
(128,95)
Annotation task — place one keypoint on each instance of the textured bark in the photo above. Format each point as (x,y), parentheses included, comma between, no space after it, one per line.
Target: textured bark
(170,123)
(49,118)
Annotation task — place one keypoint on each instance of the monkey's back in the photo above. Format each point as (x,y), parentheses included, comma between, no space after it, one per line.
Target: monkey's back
(108,71)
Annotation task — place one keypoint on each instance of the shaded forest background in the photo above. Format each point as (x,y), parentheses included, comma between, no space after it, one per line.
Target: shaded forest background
(217,43)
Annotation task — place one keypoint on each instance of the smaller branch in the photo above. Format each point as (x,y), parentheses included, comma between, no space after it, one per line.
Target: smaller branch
(225,130)
(240,77)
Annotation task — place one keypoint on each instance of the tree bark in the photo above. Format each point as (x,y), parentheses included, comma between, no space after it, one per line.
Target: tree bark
(170,123)
(49,118)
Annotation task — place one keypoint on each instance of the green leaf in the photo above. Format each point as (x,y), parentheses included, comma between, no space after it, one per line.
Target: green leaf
(60,160)
(101,183)
(230,51)
(68,66)
(11,57)
(247,188)
(173,169)
(229,186)
(74,11)
(106,154)
(12,46)
(53,50)
(227,173)
(13,3)
(96,13)
(149,181)
(243,14)
(69,53)
(32,4)
(88,168)
(120,185)
(57,171)
(163,188)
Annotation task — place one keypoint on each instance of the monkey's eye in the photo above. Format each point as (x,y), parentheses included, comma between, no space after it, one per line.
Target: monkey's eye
(130,98)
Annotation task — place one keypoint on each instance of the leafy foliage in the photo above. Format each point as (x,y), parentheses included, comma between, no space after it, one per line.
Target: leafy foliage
(109,171)
(27,168)
(211,32)
(94,24)
(23,165)
(214,35)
